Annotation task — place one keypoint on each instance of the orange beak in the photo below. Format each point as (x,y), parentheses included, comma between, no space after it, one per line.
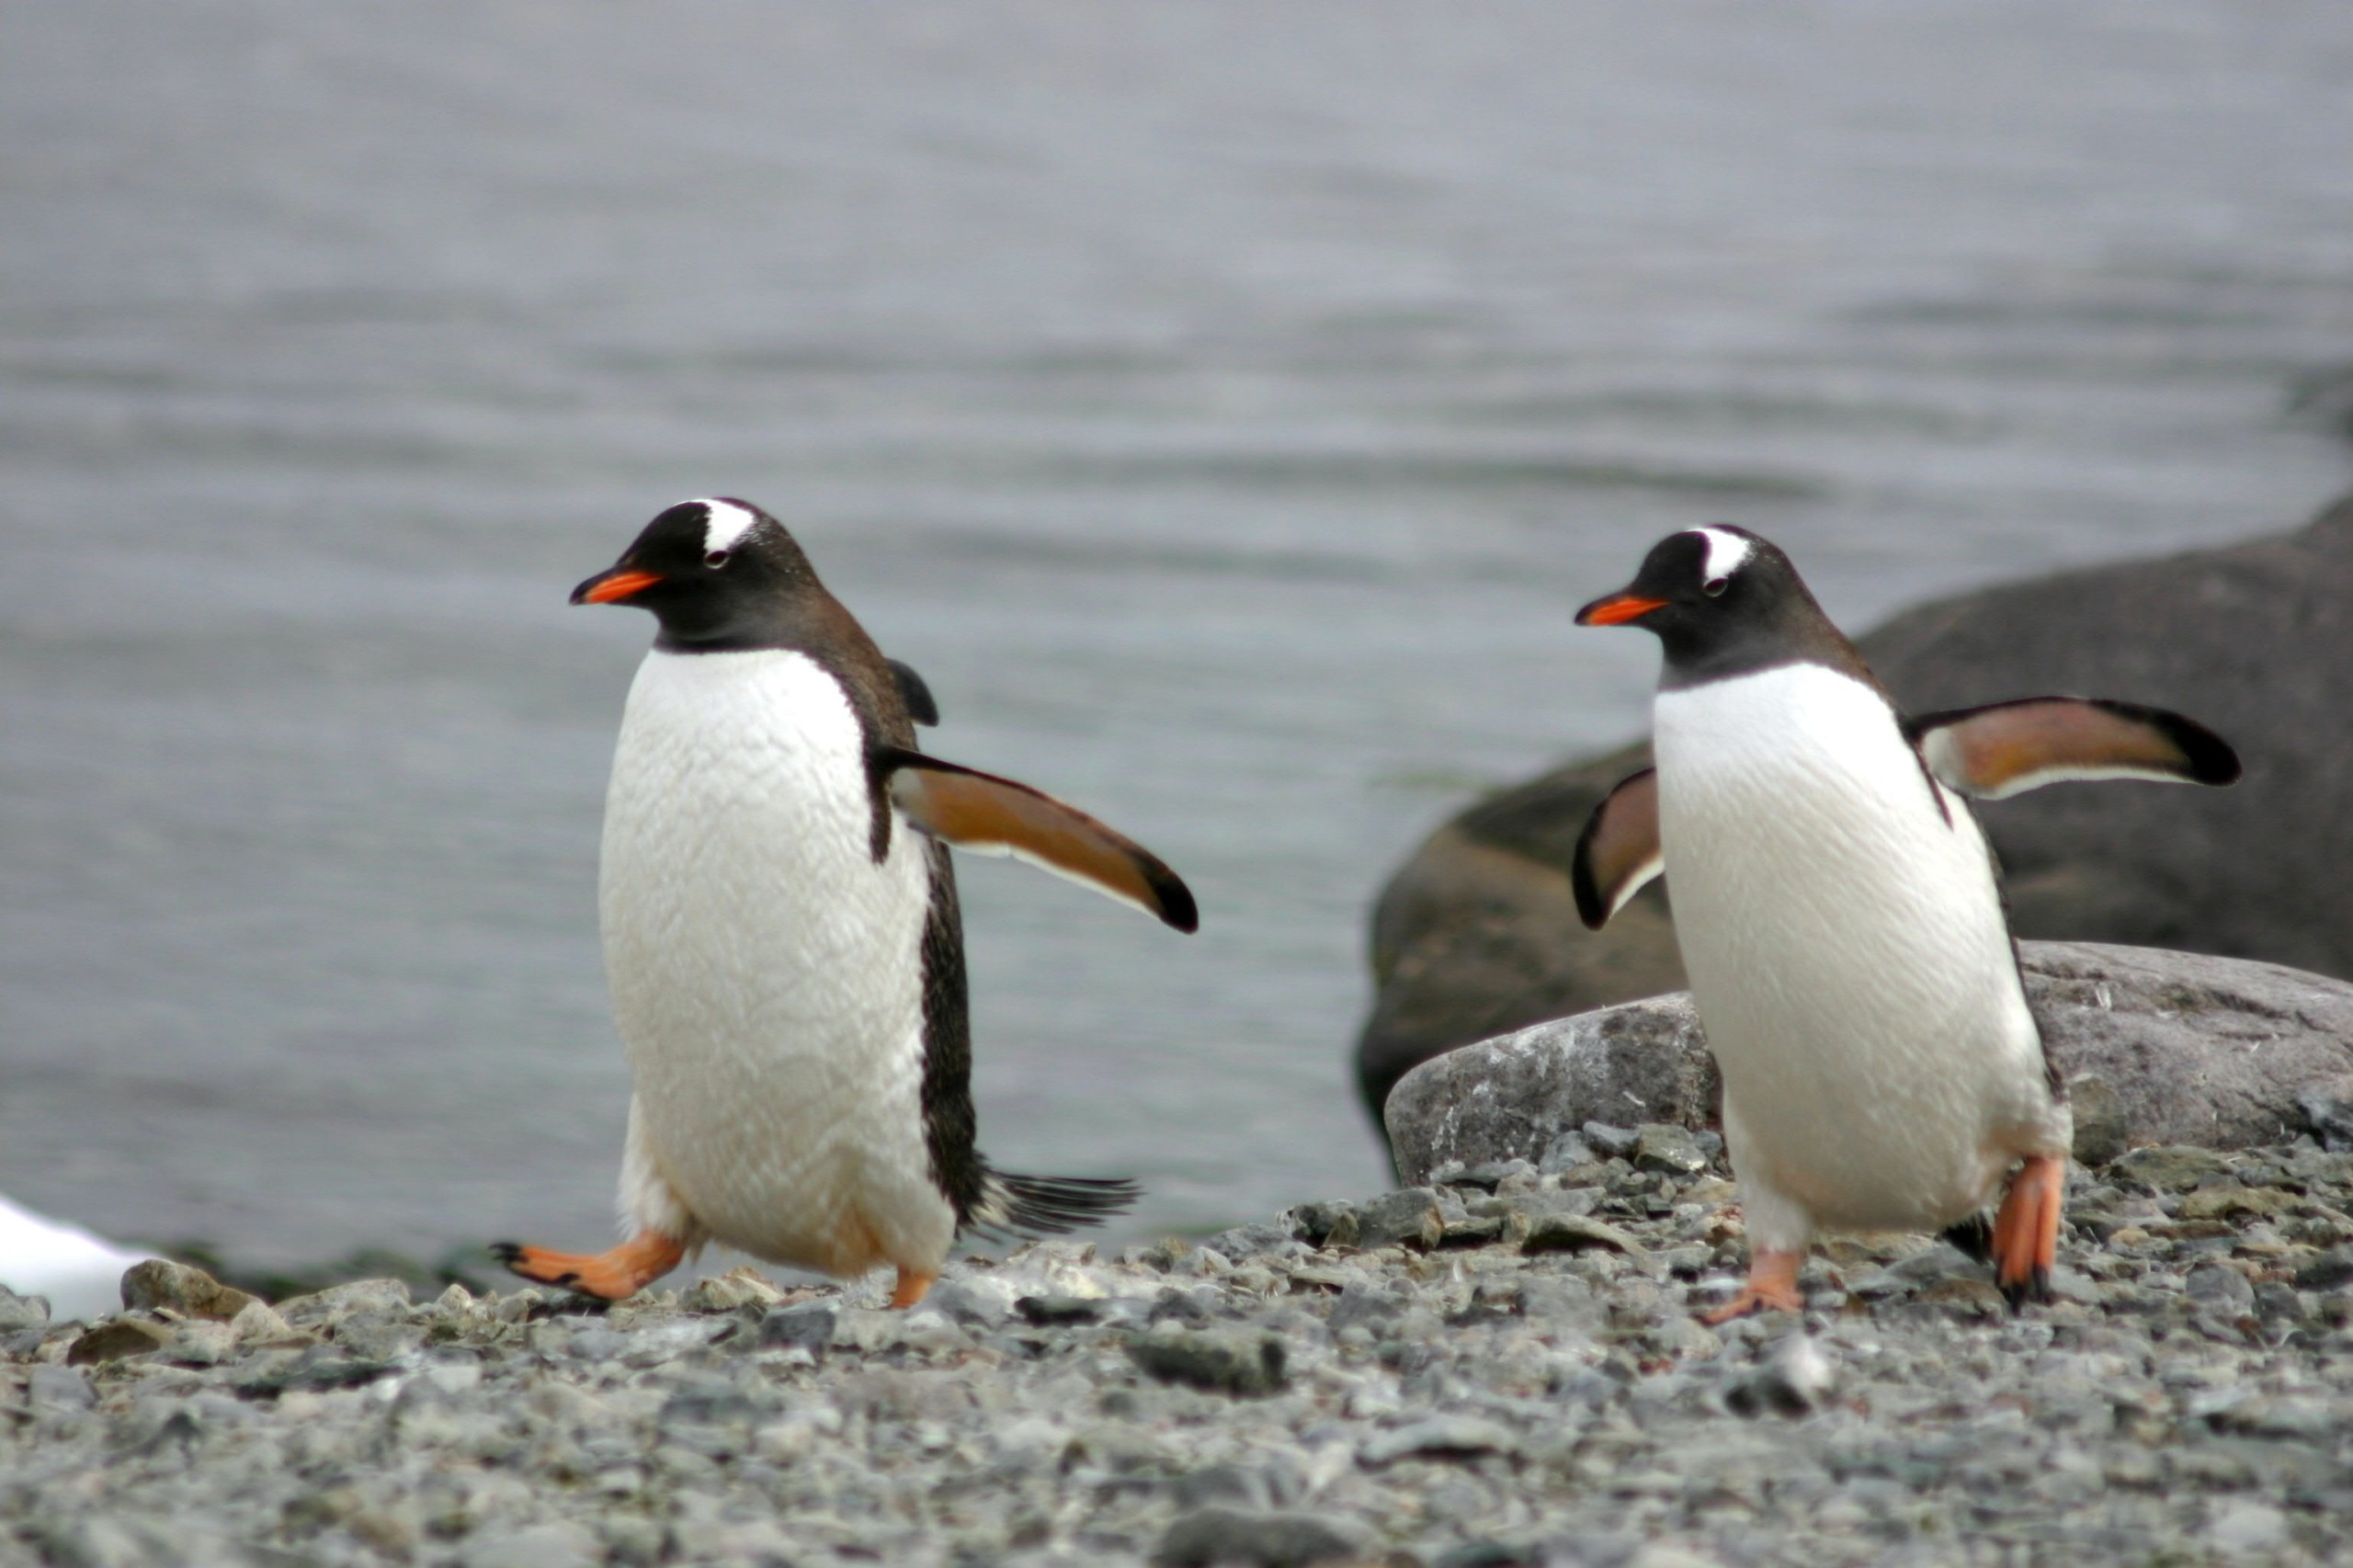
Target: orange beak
(1617,610)
(615,586)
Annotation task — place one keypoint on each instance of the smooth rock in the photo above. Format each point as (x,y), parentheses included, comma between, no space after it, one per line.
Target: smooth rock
(1227,1361)
(115,1338)
(18,1314)
(2328,1110)
(191,1292)
(1440,1435)
(1570,1233)
(1405,1218)
(2197,1051)
(1233,1537)
(1477,935)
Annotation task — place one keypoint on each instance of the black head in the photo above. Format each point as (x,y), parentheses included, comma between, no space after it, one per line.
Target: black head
(720,574)
(1723,602)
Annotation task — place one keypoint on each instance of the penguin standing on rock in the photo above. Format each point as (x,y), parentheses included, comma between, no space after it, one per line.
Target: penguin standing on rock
(782,934)
(1839,914)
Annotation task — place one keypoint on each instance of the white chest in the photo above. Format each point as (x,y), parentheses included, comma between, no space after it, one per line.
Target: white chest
(1846,944)
(766,971)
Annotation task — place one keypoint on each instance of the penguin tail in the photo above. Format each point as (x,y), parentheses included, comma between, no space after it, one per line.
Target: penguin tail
(1049,1206)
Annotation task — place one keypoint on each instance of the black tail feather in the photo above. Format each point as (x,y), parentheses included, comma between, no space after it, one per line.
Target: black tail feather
(1051,1206)
(1974,1236)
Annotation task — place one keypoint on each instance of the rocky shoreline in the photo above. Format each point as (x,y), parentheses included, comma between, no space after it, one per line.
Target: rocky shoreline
(1499,1369)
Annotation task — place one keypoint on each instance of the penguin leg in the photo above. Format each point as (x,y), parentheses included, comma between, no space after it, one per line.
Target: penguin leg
(624,1271)
(660,1228)
(2026,1231)
(912,1287)
(1772,1286)
(1780,1228)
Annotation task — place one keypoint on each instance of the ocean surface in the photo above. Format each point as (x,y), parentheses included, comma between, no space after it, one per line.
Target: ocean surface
(1224,406)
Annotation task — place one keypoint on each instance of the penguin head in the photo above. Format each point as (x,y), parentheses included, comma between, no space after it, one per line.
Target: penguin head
(1720,599)
(716,573)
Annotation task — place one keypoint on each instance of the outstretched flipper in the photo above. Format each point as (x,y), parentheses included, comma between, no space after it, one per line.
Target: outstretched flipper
(2006,748)
(1619,851)
(988,816)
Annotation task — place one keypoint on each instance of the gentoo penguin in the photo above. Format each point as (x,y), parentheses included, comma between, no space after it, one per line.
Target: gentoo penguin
(781,934)
(1839,914)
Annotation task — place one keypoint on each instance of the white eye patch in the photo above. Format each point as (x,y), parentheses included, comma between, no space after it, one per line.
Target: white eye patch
(724,523)
(1727,552)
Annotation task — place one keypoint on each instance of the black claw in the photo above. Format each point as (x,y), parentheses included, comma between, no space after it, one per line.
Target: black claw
(2035,1287)
(509,1252)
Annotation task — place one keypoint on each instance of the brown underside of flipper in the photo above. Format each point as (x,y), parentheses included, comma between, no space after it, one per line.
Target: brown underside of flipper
(1772,1286)
(609,1276)
(2026,1231)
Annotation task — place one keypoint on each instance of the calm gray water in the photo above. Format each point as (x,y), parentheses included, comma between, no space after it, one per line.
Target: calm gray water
(1224,405)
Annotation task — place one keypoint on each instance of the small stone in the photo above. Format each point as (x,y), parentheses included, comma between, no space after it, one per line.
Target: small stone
(1405,1218)
(1255,1240)
(1573,1233)
(1233,1537)
(60,1388)
(1566,1153)
(1323,1224)
(2103,1129)
(2226,1199)
(1612,1142)
(191,1292)
(1226,1361)
(1488,1175)
(1659,1147)
(1054,1311)
(561,1544)
(1793,1381)
(809,1326)
(2168,1167)
(2329,1271)
(2218,1287)
(2328,1108)
(115,1338)
(338,1301)
(981,1300)
(1440,1435)
(743,1286)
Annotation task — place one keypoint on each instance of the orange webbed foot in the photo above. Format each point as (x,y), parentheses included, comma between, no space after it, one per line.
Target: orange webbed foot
(912,1287)
(2026,1231)
(1772,1286)
(609,1276)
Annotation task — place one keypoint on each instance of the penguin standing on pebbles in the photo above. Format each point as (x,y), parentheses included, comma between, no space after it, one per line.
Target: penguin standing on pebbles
(1839,914)
(782,934)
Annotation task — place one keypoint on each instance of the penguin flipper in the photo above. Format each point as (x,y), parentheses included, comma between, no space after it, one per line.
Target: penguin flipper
(989,815)
(2006,748)
(1619,851)
(913,690)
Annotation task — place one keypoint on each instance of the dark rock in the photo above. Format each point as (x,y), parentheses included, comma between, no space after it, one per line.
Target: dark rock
(1407,1218)
(2169,1167)
(191,1292)
(1793,1381)
(1658,1147)
(2196,1051)
(1566,1153)
(1610,1142)
(2331,1271)
(1226,1361)
(1477,934)
(118,1338)
(809,1326)
(1571,1232)
(1047,1310)
(1233,1538)
(2328,1110)
(1323,1224)
(2103,1129)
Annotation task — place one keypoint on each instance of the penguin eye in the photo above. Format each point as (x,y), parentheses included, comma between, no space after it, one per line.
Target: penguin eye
(715,560)
(1715,586)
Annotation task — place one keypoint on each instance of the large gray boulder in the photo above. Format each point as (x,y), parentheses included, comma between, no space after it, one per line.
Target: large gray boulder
(2158,1047)
(1476,934)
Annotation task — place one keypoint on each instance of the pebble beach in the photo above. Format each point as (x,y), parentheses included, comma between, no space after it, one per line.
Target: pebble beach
(1502,1368)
